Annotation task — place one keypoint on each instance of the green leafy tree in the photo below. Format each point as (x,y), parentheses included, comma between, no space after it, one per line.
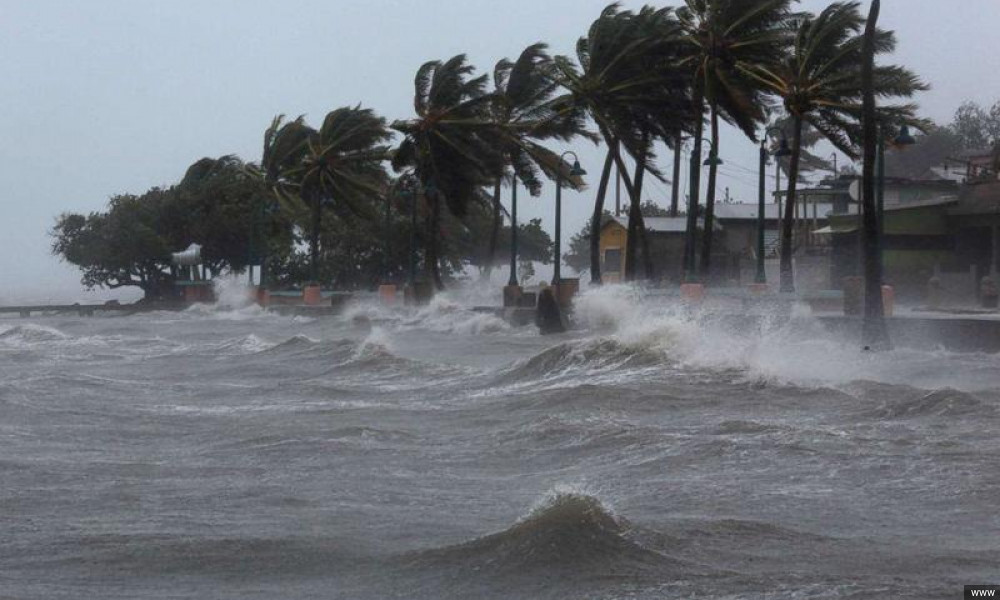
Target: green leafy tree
(977,128)
(130,243)
(121,247)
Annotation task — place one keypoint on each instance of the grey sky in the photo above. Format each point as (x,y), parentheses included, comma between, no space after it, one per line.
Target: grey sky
(110,96)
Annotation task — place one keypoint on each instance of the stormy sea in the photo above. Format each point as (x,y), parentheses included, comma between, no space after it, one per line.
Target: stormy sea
(438,453)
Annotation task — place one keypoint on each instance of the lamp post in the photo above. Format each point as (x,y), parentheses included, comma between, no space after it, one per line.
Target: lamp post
(713,159)
(512,281)
(575,171)
(388,239)
(782,152)
(836,171)
(904,138)
(411,277)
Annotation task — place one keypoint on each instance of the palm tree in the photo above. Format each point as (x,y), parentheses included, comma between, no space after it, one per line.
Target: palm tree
(725,39)
(340,166)
(344,167)
(622,81)
(452,145)
(286,144)
(819,83)
(523,111)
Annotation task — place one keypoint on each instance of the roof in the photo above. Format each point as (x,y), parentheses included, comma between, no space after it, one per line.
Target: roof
(742,212)
(662,224)
(748,212)
(937,201)
(979,199)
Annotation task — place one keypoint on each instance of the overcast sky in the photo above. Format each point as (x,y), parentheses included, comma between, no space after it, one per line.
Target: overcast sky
(110,96)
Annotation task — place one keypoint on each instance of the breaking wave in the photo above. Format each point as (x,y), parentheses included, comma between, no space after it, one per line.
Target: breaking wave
(568,533)
(939,403)
(32,334)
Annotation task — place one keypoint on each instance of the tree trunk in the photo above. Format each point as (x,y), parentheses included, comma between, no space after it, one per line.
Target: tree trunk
(675,191)
(433,242)
(317,219)
(596,218)
(713,172)
(787,274)
(647,258)
(875,334)
(630,189)
(491,252)
(637,240)
(691,239)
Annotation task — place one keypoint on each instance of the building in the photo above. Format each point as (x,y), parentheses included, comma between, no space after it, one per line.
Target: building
(666,244)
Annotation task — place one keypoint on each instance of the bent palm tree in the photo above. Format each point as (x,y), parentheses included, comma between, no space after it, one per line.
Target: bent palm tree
(522,108)
(724,39)
(286,144)
(340,165)
(819,83)
(623,82)
(452,145)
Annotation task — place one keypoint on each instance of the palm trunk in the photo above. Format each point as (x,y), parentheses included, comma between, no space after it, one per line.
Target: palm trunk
(875,334)
(595,221)
(691,239)
(433,243)
(317,221)
(491,252)
(675,191)
(636,224)
(630,190)
(647,258)
(787,272)
(713,172)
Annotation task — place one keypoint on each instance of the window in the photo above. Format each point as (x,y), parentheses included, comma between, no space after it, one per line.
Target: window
(613,260)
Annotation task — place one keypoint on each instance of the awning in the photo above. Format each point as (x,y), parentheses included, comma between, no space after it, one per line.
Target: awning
(830,230)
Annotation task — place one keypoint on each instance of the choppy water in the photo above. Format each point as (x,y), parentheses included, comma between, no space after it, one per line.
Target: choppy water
(441,454)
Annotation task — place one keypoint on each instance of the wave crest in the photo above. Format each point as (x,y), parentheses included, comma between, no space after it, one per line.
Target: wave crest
(939,403)
(570,531)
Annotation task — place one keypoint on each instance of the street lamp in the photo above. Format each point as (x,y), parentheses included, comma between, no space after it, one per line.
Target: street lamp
(258,240)
(513,232)
(781,152)
(713,159)
(575,171)
(902,139)
(412,271)
(388,237)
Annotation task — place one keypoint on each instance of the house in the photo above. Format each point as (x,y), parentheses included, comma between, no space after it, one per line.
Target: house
(919,238)
(666,241)
(933,228)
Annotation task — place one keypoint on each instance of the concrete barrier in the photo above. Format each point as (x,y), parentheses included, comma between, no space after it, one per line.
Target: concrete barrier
(888,300)
(566,290)
(512,295)
(312,295)
(387,294)
(418,293)
(693,293)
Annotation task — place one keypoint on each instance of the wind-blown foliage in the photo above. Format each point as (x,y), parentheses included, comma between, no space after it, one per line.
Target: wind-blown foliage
(626,81)
(724,41)
(339,166)
(452,145)
(215,205)
(525,115)
(819,83)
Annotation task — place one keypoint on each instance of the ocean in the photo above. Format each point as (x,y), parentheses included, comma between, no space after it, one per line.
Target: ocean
(438,453)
